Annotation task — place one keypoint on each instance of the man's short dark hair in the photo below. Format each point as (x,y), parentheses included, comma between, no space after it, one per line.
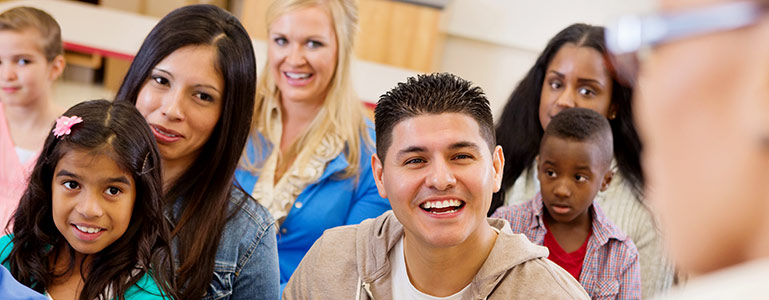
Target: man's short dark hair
(583,125)
(431,94)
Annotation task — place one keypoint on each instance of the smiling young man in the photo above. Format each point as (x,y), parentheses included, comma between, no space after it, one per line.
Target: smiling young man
(438,164)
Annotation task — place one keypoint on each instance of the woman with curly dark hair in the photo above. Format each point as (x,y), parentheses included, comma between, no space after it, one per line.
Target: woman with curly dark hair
(572,72)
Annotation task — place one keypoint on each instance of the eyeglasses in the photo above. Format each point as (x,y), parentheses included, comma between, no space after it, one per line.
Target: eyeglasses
(631,37)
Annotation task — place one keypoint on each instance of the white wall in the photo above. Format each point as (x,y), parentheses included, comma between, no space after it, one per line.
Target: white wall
(494,42)
(497,69)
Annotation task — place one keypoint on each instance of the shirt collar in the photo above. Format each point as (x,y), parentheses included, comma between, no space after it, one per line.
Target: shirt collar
(274,123)
(603,230)
(537,209)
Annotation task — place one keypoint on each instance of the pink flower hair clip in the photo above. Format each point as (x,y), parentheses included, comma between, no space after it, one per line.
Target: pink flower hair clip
(64,125)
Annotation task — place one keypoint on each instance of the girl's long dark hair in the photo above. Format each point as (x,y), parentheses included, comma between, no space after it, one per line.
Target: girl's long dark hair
(519,130)
(205,186)
(119,131)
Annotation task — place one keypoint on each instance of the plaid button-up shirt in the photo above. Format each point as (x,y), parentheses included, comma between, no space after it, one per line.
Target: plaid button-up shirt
(610,269)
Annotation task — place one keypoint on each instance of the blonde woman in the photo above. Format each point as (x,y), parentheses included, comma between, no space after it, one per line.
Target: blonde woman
(308,159)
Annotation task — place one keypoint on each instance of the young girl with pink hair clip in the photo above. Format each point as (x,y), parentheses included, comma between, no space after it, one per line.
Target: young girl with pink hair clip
(90,224)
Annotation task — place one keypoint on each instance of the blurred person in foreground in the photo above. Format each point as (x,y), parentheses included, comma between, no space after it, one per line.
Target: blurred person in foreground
(702,108)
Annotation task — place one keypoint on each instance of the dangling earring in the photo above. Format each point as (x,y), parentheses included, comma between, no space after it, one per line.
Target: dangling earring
(613,115)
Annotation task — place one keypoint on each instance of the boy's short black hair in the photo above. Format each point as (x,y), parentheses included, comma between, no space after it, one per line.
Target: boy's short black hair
(435,93)
(583,125)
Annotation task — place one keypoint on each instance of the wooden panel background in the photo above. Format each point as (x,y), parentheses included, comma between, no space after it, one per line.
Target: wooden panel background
(252,17)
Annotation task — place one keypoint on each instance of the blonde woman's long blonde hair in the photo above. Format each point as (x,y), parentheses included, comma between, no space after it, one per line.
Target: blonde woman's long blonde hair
(342,113)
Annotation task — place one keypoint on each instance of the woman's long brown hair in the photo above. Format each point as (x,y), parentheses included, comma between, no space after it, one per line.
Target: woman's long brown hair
(205,186)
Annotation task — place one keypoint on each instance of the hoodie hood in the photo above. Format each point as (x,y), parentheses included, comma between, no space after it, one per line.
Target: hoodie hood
(377,237)
(353,262)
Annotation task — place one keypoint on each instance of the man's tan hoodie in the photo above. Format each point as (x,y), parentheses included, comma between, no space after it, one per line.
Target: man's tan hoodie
(353,262)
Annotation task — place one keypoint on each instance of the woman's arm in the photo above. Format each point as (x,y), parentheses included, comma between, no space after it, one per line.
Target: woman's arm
(366,203)
(259,278)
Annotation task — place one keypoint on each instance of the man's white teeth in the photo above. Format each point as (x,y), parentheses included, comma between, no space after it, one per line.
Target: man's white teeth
(297,75)
(88,229)
(441,204)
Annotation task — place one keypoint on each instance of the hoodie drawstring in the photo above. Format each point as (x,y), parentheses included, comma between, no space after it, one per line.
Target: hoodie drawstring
(366,286)
(357,293)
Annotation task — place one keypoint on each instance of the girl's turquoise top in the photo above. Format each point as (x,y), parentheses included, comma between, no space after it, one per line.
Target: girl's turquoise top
(144,289)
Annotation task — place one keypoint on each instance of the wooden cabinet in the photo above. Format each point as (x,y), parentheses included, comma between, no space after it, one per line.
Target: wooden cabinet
(399,34)
(252,15)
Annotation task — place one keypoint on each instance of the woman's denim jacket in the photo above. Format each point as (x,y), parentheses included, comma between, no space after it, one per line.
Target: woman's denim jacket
(246,265)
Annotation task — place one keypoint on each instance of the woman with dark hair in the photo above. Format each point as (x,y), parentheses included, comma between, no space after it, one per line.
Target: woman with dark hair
(572,72)
(90,224)
(194,81)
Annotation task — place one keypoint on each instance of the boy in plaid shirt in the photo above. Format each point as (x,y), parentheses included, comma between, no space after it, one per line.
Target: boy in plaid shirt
(574,163)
